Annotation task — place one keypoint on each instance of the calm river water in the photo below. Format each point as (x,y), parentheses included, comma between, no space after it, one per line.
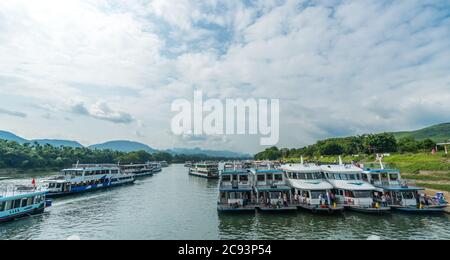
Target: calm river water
(172,205)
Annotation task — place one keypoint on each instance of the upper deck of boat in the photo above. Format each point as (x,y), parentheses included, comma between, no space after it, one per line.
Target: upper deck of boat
(11,193)
(341,168)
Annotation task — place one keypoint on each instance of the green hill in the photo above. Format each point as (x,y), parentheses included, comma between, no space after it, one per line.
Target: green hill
(437,133)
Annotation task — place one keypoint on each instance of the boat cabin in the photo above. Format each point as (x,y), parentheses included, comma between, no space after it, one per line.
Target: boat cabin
(236,190)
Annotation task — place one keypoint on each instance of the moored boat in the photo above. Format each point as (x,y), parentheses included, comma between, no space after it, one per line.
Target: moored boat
(164,164)
(236,191)
(351,191)
(86,178)
(21,201)
(311,191)
(155,166)
(207,170)
(395,192)
(271,190)
(137,170)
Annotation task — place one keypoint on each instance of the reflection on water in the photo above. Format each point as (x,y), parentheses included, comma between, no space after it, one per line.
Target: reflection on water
(174,205)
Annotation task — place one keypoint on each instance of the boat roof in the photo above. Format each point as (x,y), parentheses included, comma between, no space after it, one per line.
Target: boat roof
(256,171)
(301,168)
(235,172)
(92,168)
(368,170)
(402,188)
(341,168)
(270,188)
(352,185)
(310,184)
(230,189)
(13,195)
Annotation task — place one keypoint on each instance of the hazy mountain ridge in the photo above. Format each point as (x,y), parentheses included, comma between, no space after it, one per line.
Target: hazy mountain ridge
(123,146)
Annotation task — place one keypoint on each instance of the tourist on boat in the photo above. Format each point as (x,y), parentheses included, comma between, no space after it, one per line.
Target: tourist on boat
(383,201)
(285,200)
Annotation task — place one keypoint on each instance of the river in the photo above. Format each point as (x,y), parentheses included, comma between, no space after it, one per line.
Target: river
(173,205)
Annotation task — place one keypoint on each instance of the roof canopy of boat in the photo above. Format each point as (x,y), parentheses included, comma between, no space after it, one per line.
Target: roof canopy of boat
(236,172)
(255,171)
(347,168)
(402,188)
(301,168)
(311,184)
(352,185)
(390,171)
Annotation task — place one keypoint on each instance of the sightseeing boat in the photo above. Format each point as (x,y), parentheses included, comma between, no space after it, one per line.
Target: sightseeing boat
(21,201)
(86,178)
(164,164)
(155,166)
(350,190)
(137,170)
(395,192)
(271,190)
(207,170)
(311,191)
(188,164)
(236,191)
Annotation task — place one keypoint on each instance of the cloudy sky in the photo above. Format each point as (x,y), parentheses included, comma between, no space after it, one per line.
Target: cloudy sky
(96,70)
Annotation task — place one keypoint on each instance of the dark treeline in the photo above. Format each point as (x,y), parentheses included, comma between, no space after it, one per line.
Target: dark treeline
(27,156)
(364,144)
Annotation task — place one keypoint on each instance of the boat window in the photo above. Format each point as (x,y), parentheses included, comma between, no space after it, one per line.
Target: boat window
(316,194)
(362,194)
(243,178)
(261,178)
(278,177)
(408,195)
(269,177)
(17,204)
(2,206)
(301,176)
(9,205)
(24,202)
(226,178)
(375,177)
(352,177)
(393,177)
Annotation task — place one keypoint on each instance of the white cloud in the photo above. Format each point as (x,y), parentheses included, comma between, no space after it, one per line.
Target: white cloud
(340,67)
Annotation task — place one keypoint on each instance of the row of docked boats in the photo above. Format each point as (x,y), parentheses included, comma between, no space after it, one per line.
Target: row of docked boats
(321,188)
(21,201)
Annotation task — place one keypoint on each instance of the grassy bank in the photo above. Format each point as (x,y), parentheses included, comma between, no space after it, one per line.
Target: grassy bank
(434,186)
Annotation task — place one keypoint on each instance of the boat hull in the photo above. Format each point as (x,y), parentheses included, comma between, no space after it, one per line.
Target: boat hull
(34,211)
(375,211)
(87,189)
(281,209)
(319,210)
(227,209)
(414,210)
(204,176)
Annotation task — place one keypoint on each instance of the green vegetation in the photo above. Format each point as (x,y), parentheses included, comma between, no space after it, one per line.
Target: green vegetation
(365,144)
(438,133)
(35,156)
(434,186)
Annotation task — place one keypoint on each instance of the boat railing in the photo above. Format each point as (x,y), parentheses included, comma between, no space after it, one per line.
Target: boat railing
(12,190)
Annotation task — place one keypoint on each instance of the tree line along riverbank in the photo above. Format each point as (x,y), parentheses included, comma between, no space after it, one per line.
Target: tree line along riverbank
(24,158)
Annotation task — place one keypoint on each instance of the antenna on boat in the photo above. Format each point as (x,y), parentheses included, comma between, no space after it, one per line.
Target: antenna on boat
(302,162)
(380,159)
(76,166)
(340,160)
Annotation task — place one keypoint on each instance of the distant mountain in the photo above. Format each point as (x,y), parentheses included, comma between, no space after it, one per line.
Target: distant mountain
(437,133)
(123,146)
(12,137)
(210,153)
(58,143)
